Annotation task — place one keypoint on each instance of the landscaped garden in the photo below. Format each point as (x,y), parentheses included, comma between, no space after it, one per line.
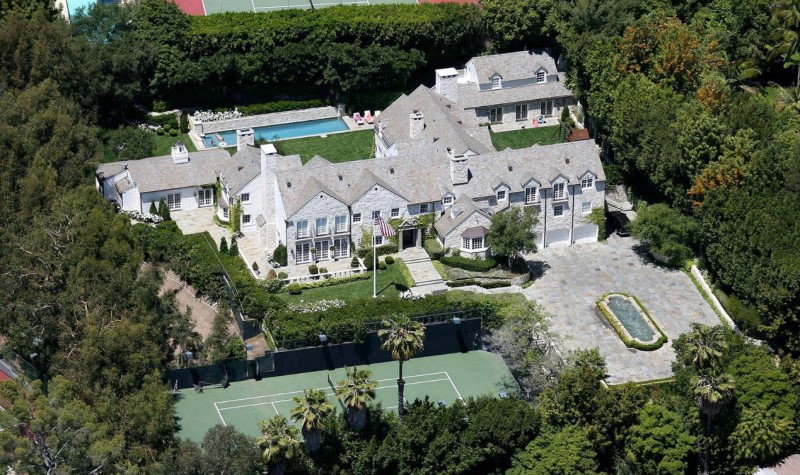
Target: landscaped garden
(524,138)
(343,147)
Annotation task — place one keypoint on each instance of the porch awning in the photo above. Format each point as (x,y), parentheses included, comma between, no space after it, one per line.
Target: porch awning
(475,232)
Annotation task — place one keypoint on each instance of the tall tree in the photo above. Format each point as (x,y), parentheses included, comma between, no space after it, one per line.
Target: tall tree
(512,232)
(279,441)
(660,444)
(557,452)
(705,345)
(403,338)
(787,35)
(228,451)
(711,391)
(356,391)
(312,410)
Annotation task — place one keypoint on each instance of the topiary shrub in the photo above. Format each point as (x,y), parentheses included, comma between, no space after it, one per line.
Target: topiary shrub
(234,249)
(271,274)
(160,131)
(354,262)
(173,133)
(369,261)
(223,245)
(283,275)
(382,266)
(255,267)
(294,289)
(153,209)
(279,255)
(565,114)
(389,260)
(313,269)
(184,123)
(323,270)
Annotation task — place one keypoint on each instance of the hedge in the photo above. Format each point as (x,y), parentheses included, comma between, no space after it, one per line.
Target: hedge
(486,285)
(328,282)
(382,250)
(433,248)
(475,265)
(623,335)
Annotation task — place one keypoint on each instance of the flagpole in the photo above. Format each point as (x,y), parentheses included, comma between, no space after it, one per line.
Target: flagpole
(374,264)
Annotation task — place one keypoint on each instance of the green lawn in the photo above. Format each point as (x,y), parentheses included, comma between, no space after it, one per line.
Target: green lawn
(163,144)
(524,138)
(391,282)
(335,148)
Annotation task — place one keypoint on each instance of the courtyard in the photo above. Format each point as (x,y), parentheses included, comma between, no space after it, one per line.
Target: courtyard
(569,280)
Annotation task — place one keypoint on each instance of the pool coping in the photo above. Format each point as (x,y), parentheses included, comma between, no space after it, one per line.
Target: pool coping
(659,337)
(200,145)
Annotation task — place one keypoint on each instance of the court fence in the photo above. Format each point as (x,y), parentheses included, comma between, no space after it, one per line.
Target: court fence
(443,335)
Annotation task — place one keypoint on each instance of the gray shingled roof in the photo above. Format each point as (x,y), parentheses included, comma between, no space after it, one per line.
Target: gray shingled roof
(460,211)
(470,97)
(161,173)
(513,66)
(445,122)
(242,168)
(424,178)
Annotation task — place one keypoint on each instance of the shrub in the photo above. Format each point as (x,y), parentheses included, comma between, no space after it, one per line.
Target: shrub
(382,266)
(163,210)
(271,274)
(160,106)
(294,289)
(382,250)
(323,270)
(173,133)
(279,255)
(272,285)
(354,262)
(280,106)
(223,245)
(153,209)
(184,123)
(369,261)
(167,127)
(282,275)
(475,265)
(667,233)
(160,131)
(255,266)
(234,249)
(313,269)
(389,260)
(434,249)
(565,114)
(333,281)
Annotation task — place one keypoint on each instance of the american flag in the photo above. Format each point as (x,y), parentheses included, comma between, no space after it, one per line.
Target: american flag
(385,228)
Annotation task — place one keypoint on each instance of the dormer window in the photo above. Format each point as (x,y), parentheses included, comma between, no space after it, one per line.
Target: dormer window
(447,200)
(502,195)
(587,182)
(531,194)
(496,82)
(541,76)
(558,191)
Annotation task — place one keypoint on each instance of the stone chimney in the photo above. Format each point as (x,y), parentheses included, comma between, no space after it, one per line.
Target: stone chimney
(447,83)
(179,153)
(245,137)
(417,124)
(459,169)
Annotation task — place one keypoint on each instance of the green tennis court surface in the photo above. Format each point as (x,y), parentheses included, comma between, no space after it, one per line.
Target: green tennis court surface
(442,378)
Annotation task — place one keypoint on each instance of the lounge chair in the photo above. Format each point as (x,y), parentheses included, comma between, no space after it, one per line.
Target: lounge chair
(368,117)
(359,120)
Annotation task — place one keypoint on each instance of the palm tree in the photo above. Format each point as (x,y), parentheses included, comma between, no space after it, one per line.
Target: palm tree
(788,97)
(787,35)
(711,391)
(356,391)
(403,338)
(312,410)
(279,441)
(705,344)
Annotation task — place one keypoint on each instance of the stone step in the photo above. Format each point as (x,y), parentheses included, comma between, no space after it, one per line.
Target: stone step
(428,282)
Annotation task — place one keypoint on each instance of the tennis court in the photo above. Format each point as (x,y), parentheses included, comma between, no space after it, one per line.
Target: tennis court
(444,378)
(207,7)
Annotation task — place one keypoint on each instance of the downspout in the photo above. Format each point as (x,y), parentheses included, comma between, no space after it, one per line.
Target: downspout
(544,233)
(572,218)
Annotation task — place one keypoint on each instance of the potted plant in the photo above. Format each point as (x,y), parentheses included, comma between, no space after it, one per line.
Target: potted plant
(314,254)
(332,250)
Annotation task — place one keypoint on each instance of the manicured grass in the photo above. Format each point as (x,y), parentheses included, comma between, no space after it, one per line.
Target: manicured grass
(391,282)
(344,147)
(524,138)
(163,144)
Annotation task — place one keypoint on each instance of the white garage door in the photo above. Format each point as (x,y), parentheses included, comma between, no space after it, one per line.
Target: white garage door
(558,237)
(583,234)
(539,240)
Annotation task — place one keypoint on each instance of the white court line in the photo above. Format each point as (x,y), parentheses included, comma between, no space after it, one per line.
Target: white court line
(454,385)
(252,2)
(328,394)
(275,409)
(220,415)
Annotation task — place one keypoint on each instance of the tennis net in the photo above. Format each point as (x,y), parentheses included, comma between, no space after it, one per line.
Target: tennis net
(330,383)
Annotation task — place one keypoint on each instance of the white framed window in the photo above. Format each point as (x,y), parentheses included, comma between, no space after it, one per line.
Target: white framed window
(322,249)
(302,252)
(342,247)
(540,76)
(245,197)
(322,226)
(586,207)
(174,201)
(245,219)
(378,240)
(502,195)
(447,200)
(558,191)
(496,82)
(521,111)
(546,108)
(465,243)
(423,208)
(225,213)
(395,212)
(495,115)
(472,244)
(205,197)
(376,214)
(558,210)
(587,182)
(302,229)
(341,224)
(532,194)
(356,218)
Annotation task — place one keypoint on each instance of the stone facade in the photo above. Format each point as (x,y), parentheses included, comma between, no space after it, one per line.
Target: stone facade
(321,206)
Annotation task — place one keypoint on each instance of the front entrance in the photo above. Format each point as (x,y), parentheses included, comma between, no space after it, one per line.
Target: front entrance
(409,238)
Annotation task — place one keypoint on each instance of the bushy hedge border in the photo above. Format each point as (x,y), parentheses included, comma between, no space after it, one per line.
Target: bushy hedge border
(475,265)
(433,248)
(277,106)
(486,285)
(623,335)
(322,282)
(382,250)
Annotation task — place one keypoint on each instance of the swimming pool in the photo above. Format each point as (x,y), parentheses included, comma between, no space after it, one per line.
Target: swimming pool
(279,132)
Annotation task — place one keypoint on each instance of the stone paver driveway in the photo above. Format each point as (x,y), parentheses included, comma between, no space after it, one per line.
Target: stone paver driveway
(573,279)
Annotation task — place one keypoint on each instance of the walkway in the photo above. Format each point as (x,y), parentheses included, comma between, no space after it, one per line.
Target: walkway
(426,279)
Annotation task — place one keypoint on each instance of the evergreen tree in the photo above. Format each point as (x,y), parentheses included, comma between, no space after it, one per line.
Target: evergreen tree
(153,209)
(223,245)
(234,249)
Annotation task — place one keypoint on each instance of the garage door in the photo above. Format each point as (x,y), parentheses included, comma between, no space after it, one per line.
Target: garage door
(558,237)
(583,234)
(539,239)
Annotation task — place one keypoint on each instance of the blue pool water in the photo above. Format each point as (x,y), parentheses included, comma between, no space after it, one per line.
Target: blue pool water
(631,318)
(280,132)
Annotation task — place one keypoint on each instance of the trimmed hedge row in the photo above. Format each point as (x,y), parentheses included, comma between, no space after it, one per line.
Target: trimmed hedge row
(382,250)
(328,282)
(433,248)
(486,285)
(475,265)
(623,335)
(277,106)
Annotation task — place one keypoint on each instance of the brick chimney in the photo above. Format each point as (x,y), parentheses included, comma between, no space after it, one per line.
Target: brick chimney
(459,169)
(417,124)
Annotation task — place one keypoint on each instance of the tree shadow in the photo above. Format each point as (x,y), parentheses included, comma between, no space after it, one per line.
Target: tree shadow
(538,269)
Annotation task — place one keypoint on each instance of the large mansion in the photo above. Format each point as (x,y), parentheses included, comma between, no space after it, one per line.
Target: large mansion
(432,157)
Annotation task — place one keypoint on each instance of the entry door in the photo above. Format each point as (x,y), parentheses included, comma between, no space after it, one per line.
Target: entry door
(322,249)
(495,115)
(205,197)
(302,252)
(522,111)
(547,108)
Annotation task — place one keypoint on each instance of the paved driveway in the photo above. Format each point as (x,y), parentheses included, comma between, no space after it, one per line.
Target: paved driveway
(573,279)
